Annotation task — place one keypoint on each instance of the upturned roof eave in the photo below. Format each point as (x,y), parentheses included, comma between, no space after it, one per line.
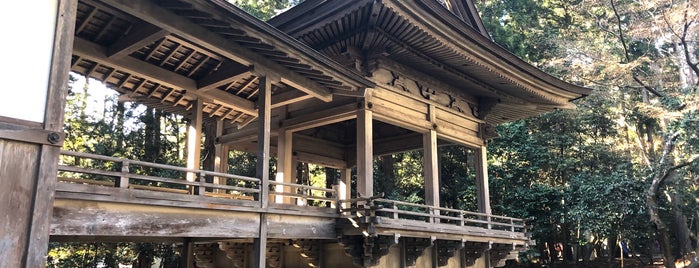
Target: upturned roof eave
(490,52)
(498,52)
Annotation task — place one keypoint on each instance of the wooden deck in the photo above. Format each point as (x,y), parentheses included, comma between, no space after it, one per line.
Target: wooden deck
(93,202)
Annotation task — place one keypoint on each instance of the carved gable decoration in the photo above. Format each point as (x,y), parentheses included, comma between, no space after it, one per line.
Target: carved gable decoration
(426,91)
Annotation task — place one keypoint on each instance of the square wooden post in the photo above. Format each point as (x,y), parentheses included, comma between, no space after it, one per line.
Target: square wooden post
(264,120)
(194,138)
(284,164)
(220,157)
(343,186)
(431,168)
(365,154)
(482,190)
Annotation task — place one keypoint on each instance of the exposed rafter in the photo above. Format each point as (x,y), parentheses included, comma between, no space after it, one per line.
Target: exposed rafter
(173,23)
(141,36)
(227,73)
(94,52)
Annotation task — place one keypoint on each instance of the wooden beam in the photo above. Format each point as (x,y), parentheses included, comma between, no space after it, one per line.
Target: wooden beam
(199,35)
(227,73)
(288,97)
(141,36)
(221,97)
(397,144)
(246,134)
(314,89)
(321,118)
(94,52)
(365,153)
(315,158)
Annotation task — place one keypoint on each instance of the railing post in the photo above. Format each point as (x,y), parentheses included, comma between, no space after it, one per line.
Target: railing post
(512,225)
(430,211)
(334,203)
(461,216)
(302,201)
(395,210)
(123,181)
(200,190)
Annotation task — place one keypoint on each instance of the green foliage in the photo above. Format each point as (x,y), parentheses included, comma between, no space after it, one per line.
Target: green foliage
(110,255)
(264,9)
(598,160)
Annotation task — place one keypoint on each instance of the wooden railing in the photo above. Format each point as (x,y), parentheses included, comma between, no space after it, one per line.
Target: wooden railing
(109,171)
(304,193)
(392,209)
(92,169)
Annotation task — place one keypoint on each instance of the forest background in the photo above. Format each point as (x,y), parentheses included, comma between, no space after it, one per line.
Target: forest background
(621,169)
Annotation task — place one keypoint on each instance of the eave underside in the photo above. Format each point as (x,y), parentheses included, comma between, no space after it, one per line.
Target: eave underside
(166,54)
(439,47)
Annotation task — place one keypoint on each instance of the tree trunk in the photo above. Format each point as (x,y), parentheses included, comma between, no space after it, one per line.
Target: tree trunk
(665,171)
(681,228)
(152,135)
(120,115)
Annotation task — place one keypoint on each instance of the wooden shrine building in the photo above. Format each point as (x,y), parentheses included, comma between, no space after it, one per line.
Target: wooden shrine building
(335,83)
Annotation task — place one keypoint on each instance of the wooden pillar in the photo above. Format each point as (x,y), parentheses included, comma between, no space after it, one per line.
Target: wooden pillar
(482,190)
(343,185)
(431,168)
(194,138)
(264,119)
(188,253)
(483,193)
(365,154)
(31,127)
(284,164)
(221,156)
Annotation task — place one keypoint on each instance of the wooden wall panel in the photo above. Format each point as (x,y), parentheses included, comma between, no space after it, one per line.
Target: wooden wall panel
(18,172)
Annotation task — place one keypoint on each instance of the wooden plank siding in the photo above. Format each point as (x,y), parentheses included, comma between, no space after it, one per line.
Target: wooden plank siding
(18,177)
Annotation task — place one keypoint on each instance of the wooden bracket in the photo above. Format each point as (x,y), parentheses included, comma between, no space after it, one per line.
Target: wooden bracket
(414,248)
(366,251)
(310,250)
(473,251)
(237,252)
(39,136)
(445,250)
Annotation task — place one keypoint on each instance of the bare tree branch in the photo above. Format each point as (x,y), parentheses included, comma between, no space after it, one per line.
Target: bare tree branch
(645,86)
(627,54)
(683,40)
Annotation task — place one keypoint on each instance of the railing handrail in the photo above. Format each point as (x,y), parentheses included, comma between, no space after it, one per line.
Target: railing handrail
(157,165)
(302,186)
(489,220)
(397,202)
(430,212)
(127,174)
